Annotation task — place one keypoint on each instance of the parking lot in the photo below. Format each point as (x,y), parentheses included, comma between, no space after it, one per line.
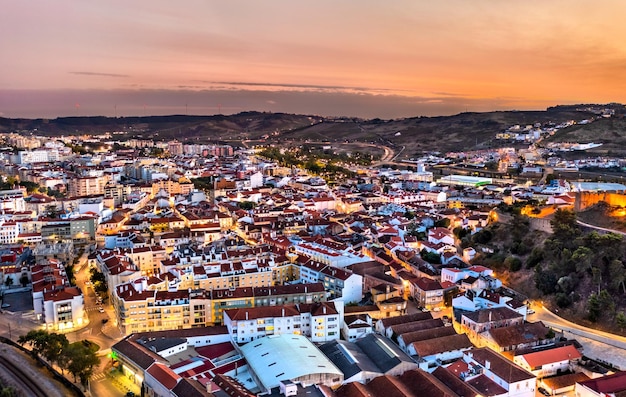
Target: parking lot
(18,302)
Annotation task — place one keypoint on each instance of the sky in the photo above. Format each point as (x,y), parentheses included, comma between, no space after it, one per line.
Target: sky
(365,58)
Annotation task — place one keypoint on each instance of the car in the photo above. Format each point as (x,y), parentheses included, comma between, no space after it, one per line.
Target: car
(101,310)
(105,320)
(437,309)
(543,391)
(530,311)
(5,305)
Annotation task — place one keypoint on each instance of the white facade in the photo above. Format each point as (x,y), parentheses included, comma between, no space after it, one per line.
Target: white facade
(63,309)
(323,325)
(8,232)
(34,156)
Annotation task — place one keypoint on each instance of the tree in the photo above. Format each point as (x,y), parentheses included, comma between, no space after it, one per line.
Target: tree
(51,211)
(545,280)
(53,351)
(246,205)
(593,308)
(430,257)
(513,263)
(582,257)
(443,222)
(618,275)
(600,304)
(99,281)
(81,360)
(9,281)
(564,227)
(37,339)
(482,237)
(620,320)
(24,280)
(535,257)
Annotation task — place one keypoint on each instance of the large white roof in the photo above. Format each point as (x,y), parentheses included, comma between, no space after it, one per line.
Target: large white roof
(283,357)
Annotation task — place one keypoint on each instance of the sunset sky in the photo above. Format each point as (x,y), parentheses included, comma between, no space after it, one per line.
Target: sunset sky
(357,58)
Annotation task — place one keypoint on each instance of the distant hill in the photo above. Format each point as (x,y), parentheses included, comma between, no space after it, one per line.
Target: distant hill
(465,131)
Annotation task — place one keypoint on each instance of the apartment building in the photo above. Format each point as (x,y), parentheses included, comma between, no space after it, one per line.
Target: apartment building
(63,309)
(320,322)
(87,186)
(139,308)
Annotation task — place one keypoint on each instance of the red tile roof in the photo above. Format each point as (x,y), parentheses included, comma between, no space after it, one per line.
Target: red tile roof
(563,353)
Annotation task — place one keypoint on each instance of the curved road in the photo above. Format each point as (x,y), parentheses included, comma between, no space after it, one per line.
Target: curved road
(600,228)
(597,344)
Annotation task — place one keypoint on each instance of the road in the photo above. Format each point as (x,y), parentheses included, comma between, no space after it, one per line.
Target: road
(104,382)
(602,229)
(598,344)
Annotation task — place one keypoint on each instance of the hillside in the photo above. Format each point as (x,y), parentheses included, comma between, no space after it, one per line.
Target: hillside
(414,136)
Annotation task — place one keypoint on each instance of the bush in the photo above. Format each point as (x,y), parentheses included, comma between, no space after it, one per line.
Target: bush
(513,263)
(483,237)
(562,300)
(534,258)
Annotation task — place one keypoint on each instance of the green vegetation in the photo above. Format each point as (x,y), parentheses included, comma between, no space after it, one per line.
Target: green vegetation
(319,162)
(7,391)
(246,205)
(570,259)
(99,281)
(430,257)
(203,183)
(78,358)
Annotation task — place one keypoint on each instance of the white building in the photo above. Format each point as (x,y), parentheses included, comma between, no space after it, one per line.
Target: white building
(515,380)
(320,322)
(338,282)
(63,309)
(548,362)
(33,156)
(289,357)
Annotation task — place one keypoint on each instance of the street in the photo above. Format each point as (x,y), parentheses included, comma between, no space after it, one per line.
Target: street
(597,344)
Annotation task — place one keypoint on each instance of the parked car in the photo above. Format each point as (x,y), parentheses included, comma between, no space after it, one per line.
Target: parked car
(530,311)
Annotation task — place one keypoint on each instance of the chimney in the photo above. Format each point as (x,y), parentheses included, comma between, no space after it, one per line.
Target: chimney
(246,314)
(487,364)
(283,312)
(489,315)
(324,309)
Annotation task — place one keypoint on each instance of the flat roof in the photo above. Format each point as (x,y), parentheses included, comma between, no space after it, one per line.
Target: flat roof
(277,358)
(598,186)
(466,179)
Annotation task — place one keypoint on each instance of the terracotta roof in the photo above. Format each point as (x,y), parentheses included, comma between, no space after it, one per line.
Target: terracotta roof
(519,334)
(164,375)
(135,353)
(388,322)
(492,315)
(231,387)
(454,383)
(558,354)
(190,388)
(400,329)
(499,365)
(443,344)
(486,386)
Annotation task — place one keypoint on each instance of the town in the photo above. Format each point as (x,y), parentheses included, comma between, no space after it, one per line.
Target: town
(219,269)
